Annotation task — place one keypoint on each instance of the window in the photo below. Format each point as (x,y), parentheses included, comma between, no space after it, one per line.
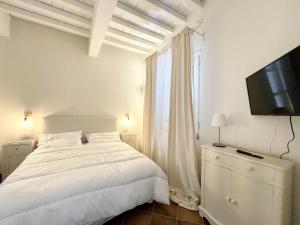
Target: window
(162,101)
(162,106)
(196,90)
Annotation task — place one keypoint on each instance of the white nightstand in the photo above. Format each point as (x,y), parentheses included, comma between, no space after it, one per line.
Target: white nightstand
(13,154)
(129,139)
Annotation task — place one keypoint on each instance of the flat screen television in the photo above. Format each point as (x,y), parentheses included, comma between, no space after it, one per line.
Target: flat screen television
(275,89)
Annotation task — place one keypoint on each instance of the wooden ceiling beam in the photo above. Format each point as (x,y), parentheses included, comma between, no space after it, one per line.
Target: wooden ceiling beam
(41,19)
(103,12)
(53,12)
(76,5)
(130,37)
(125,45)
(169,10)
(153,35)
(138,15)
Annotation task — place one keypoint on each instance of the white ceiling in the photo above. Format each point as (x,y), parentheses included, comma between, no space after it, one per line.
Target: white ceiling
(136,25)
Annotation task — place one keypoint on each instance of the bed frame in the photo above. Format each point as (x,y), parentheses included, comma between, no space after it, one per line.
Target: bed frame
(87,124)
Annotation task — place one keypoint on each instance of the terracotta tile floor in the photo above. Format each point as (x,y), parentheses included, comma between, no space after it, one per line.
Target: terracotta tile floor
(158,214)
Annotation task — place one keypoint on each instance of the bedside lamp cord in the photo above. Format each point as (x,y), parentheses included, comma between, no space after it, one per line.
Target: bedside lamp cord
(288,144)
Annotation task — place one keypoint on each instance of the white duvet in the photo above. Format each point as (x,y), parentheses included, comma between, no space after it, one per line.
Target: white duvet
(80,185)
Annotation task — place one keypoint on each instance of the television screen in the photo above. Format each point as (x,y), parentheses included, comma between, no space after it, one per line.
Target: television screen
(275,89)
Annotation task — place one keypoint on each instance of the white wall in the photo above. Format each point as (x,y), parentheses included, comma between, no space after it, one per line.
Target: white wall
(242,36)
(50,72)
(4,24)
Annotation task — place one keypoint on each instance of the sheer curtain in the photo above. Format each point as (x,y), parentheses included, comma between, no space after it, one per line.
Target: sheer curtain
(162,109)
(196,90)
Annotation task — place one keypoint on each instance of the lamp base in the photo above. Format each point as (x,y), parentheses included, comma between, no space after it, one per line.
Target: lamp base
(219,145)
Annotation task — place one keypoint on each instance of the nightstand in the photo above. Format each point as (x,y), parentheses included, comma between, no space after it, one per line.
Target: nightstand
(129,139)
(13,154)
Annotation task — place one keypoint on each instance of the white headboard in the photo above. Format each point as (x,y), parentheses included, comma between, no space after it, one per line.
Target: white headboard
(88,124)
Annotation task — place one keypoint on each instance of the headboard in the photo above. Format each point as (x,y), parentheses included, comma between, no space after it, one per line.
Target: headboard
(88,124)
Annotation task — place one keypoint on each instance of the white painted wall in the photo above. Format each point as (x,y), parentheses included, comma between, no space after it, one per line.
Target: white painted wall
(242,36)
(4,24)
(50,72)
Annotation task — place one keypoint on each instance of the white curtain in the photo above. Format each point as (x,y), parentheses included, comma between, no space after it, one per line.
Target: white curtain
(169,131)
(196,67)
(182,143)
(162,109)
(149,103)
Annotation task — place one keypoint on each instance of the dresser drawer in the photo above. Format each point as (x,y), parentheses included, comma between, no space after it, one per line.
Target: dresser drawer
(17,149)
(257,171)
(220,158)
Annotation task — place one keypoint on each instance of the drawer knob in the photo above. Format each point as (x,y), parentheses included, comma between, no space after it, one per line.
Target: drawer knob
(250,168)
(17,148)
(228,198)
(217,157)
(233,201)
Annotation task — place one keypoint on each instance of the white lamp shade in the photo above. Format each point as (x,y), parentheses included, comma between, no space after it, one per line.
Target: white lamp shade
(219,120)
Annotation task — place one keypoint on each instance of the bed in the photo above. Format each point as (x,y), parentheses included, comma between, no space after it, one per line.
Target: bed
(86,184)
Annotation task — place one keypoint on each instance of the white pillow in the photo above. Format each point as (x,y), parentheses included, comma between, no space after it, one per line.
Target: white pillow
(104,137)
(103,134)
(65,142)
(60,140)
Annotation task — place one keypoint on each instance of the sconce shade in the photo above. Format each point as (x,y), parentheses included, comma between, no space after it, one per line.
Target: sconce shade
(27,113)
(219,120)
(27,124)
(127,120)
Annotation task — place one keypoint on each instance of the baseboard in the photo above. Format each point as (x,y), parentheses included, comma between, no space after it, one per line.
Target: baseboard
(208,216)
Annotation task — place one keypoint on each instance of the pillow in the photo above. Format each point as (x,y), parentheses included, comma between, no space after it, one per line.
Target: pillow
(65,142)
(60,140)
(47,136)
(104,137)
(103,134)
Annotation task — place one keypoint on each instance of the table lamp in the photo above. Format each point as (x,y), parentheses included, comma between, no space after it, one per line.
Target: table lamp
(219,120)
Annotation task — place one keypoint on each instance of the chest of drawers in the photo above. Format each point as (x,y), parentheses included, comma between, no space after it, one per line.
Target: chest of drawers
(13,154)
(242,190)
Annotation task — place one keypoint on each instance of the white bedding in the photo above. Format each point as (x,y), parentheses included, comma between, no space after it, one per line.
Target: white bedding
(80,185)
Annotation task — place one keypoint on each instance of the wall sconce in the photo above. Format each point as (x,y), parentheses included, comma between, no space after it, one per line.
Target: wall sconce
(27,114)
(27,124)
(127,120)
(126,123)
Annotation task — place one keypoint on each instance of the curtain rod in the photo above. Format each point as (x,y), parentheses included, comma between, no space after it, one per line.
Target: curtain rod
(197,27)
(201,34)
(191,29)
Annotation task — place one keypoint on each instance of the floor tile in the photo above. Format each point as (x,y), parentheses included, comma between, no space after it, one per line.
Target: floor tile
(118,220)
(148,207)
(162,220)
(186,223)
(136,217)
(205,221)
(189,216)
(158,214)
(167,210)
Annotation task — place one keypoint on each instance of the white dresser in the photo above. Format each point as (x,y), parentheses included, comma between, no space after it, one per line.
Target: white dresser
(13,154)
(243,190)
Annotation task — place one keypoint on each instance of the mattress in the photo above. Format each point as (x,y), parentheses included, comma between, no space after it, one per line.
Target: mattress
(80,185)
